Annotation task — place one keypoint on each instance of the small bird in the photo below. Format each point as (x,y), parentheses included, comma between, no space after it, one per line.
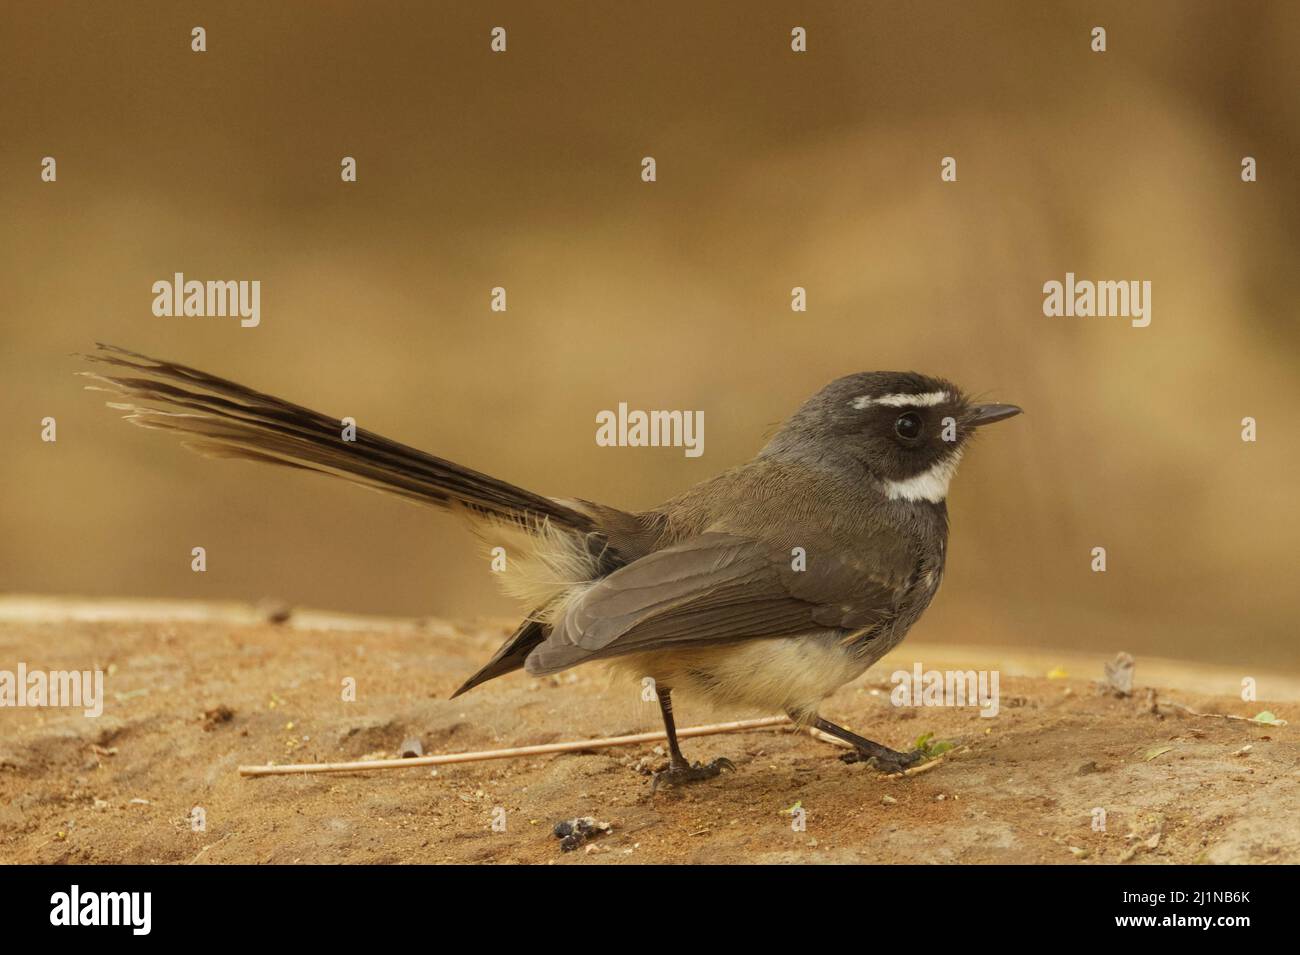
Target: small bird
(770,585)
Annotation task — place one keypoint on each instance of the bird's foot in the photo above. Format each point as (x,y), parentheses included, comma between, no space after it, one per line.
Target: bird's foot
(680,774)
(883,759)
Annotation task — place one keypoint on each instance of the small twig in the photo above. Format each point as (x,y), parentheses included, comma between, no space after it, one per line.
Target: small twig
(824,737)
(211,845)
(1223,716)
(931,763)
(925,767)
(575,746)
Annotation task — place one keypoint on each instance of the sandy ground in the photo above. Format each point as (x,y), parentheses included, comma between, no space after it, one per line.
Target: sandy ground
(1022,787)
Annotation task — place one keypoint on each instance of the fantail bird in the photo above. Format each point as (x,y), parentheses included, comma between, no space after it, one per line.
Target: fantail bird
(701,593)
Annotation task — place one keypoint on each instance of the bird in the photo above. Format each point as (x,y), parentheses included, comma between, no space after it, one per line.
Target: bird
(769,585)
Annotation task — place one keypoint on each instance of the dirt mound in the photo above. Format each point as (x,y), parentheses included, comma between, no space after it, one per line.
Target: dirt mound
(190,697)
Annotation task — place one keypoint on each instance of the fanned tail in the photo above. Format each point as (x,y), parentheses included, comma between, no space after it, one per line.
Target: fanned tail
(220,418)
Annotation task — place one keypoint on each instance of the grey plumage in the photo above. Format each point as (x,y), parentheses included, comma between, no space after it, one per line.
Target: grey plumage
(705,592)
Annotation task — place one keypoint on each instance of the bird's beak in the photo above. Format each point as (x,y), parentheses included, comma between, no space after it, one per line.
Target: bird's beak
(987,414)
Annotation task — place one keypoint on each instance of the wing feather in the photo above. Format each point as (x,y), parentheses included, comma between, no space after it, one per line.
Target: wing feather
(714,588)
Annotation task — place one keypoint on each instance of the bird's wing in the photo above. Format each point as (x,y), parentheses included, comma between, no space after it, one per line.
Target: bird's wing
(715,588)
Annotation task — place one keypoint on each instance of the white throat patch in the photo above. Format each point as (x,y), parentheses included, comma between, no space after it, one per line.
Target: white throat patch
(931,485)
(927,400)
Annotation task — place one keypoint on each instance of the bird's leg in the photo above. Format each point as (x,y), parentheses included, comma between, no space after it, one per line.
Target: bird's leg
(865,751)
(679,770)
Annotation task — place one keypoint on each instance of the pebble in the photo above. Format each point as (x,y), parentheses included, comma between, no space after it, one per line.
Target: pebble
(411,748)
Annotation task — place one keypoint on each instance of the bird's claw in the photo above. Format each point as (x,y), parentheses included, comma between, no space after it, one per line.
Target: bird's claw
(886,760)
(684,773)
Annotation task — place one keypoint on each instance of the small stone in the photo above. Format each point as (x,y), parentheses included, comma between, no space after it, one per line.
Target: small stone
(274,610)
(573,833)
(216,716)
(1119,675)
(411,748)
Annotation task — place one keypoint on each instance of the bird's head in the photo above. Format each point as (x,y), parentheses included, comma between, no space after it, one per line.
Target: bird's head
(905,430)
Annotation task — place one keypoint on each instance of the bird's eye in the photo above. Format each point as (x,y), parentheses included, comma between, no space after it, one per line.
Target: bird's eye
(908,425)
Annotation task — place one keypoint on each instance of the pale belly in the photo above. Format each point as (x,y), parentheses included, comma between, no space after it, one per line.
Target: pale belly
(781,675)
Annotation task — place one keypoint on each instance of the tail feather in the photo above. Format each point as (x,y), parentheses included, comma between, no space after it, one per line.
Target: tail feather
(220,418)
(510,656)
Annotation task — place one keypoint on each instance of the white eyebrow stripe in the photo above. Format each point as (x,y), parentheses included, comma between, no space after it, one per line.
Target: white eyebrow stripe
(927,400)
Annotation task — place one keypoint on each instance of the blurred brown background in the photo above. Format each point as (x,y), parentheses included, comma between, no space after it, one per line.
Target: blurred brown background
(775,170)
